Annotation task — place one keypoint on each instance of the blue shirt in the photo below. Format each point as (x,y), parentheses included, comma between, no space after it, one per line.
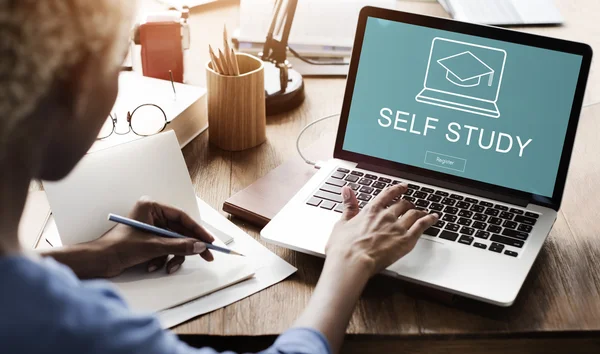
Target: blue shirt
(45,308)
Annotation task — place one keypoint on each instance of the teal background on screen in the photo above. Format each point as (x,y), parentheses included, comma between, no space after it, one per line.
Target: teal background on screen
(535,100)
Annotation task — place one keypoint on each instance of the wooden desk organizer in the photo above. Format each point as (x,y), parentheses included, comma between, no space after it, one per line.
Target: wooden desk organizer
(236,105)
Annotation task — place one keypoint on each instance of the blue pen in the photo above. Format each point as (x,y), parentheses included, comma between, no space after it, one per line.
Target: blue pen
(164,233)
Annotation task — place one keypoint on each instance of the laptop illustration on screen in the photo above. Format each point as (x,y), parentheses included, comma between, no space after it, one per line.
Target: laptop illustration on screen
(463,76)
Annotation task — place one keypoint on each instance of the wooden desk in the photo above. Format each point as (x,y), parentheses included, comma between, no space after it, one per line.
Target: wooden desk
(559,306)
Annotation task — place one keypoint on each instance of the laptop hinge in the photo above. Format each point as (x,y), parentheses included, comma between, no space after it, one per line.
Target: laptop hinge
(520,199)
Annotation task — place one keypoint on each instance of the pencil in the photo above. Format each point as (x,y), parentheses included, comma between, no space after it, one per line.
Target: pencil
(224,64)
(236,66)
(164,233)
(217,65)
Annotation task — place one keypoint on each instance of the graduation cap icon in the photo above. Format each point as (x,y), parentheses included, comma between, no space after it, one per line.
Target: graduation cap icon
(466,70)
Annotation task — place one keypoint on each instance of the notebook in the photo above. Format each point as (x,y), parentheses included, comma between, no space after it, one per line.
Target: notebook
(112,180)
(504,12)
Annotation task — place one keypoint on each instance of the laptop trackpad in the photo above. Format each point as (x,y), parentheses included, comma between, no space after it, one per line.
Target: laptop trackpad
(428,257)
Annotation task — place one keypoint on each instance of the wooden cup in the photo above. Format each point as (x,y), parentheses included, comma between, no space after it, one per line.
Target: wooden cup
(236,105)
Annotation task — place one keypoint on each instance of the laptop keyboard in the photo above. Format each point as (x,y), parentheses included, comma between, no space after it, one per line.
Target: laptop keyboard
(465,220)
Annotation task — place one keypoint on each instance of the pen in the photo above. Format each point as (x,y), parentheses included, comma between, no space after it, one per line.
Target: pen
(164,233)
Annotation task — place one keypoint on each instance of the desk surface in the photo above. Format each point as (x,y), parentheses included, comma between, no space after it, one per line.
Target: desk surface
(561,293)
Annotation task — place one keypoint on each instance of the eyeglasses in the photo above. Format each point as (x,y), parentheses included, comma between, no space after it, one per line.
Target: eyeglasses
(147,119)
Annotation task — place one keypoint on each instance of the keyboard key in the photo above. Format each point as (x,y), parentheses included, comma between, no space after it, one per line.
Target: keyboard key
(436,207)
(432,231)
(452,227)
(366,189)
(338,175)
(420,195)
(479,225)
(525,220)
(354,186)
(471,200)
(447,235)
(477,208)
(420,209)
(496,247)
(379,185)
(442,193)
(339,208)
(396,182)
(482,234)
(385,180)
(494,229)
(440,224)
(449,201)
(329,196)
(434,198)
(511,253)
(365,181)
(364,197)
(480,217)
(450,218)
(501,207)
(331,189)
(376,192)
(480,245)
(422,203)
(463,205)
(336,182)
(357,173)
(450,210)
(516,211)
(457,197)
(464,222)
(343,170)
(427,190)
(516,234)
(362,204)
(465,213)
(413,186)
(525,228)
(409,192)
(506,215)
(314,201)
(370,176)
(410,199)
(510,224)
(467,231)
(492,212)
(532,215)
(495,221)
(352,178)
(327,205)
(466,240)
(507,241)
(486,204)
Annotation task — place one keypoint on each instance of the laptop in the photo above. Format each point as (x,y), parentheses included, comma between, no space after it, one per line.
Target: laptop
(478,121)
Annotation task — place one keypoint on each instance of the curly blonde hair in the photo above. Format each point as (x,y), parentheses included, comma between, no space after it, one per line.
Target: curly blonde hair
(41,40)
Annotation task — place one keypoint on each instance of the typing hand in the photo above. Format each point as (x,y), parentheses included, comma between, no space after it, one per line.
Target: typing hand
(124,247)
(378,235)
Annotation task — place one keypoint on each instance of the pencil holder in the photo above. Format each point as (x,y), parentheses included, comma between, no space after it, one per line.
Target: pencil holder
(236,105)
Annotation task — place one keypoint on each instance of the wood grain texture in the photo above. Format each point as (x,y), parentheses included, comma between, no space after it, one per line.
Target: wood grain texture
(560,298)
(236,105)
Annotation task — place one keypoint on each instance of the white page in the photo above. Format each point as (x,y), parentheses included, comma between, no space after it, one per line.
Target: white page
(113,180)
(316,22)
(269,270)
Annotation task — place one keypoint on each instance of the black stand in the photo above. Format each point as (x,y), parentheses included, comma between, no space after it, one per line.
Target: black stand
(284,87)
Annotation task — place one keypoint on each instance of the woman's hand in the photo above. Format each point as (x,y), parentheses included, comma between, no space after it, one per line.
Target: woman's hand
(124,247)
(383,232)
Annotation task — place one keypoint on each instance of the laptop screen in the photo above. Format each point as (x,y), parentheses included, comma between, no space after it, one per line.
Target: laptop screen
(487,110)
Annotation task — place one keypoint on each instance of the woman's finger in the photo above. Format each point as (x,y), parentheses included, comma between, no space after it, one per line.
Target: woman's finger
(387,196)
(422,224)
(351,208)
(157,263)
(401,207)
(410,217)
(174,264)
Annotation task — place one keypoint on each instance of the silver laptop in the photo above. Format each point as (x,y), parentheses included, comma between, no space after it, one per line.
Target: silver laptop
(479,121)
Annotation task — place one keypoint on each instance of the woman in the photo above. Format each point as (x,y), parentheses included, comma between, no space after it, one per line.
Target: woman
(59,63)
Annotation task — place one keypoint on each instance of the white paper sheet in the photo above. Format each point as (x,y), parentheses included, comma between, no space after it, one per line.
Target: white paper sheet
(269,270)
(113,180)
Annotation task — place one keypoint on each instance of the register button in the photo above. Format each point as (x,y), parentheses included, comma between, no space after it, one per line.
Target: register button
(445,161)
